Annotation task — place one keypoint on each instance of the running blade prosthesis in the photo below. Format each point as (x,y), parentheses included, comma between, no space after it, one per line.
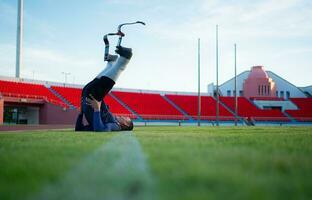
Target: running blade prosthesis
(118,33)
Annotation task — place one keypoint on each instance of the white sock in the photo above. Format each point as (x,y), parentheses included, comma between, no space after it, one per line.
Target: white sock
(107,68)
(114,69)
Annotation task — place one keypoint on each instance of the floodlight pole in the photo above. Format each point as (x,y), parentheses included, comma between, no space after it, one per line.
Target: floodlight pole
(235,84)
(217,75)
(65,75)
(19,39)
(199,102)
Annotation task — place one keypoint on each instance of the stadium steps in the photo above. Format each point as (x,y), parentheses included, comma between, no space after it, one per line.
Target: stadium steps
(304,112)
(71,106)
(252,122)
(126,106)
(177,107)
(241,119)
(250,101)
(289,117)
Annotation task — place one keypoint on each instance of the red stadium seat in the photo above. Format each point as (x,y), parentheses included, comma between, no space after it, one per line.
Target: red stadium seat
(155,107)
(117,108)
(305,109)
(73,95)
(29,90)
(150,106)
(208,107)
(249,110)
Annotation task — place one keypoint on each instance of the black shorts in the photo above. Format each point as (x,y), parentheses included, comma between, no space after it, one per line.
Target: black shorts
(99,88)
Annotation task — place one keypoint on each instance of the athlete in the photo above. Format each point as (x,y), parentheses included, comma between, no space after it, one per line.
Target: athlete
(93,107)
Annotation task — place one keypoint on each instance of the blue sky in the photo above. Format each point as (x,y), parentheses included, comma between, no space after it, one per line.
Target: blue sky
(66,36)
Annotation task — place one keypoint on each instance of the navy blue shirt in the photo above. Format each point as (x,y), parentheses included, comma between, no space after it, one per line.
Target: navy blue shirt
(99,126)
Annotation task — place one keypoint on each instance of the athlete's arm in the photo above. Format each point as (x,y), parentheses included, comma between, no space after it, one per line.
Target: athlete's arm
(97,121)
(99,126)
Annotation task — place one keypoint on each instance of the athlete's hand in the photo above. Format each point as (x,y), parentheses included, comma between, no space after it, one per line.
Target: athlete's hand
(96,105)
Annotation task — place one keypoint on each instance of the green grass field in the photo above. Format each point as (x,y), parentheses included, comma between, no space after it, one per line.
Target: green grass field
(158,163)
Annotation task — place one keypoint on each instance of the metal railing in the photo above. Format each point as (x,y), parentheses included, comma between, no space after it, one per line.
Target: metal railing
(37,97)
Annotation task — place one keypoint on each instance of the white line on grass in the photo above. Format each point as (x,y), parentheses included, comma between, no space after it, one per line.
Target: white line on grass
(117,170)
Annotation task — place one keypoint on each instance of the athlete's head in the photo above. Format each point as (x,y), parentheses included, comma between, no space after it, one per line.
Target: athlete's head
(125,123)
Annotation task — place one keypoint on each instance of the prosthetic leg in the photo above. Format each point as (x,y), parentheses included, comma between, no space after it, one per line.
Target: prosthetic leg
(103,83)
(105,80)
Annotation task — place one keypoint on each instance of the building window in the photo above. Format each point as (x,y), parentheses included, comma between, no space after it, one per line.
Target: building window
(287,95)
(265,90)
(276,93)
(234,93)
(259,90)
(269,90)
(282,94)
(241,93)
(229,93)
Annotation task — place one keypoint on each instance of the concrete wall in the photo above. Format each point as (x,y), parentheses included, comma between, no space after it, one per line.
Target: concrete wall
(285,105)
(52,114)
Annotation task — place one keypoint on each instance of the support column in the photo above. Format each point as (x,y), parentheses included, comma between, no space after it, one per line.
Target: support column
(19,39)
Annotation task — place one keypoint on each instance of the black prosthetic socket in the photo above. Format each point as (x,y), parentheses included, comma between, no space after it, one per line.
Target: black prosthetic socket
(124,52)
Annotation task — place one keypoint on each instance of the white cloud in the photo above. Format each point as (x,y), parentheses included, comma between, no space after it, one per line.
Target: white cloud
(256,26)
(266,18)
(47,64)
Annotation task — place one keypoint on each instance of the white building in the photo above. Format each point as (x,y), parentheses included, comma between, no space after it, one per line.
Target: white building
(251,84)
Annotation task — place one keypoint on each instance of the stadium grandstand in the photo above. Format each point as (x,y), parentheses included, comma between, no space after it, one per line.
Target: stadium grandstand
(263,97)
